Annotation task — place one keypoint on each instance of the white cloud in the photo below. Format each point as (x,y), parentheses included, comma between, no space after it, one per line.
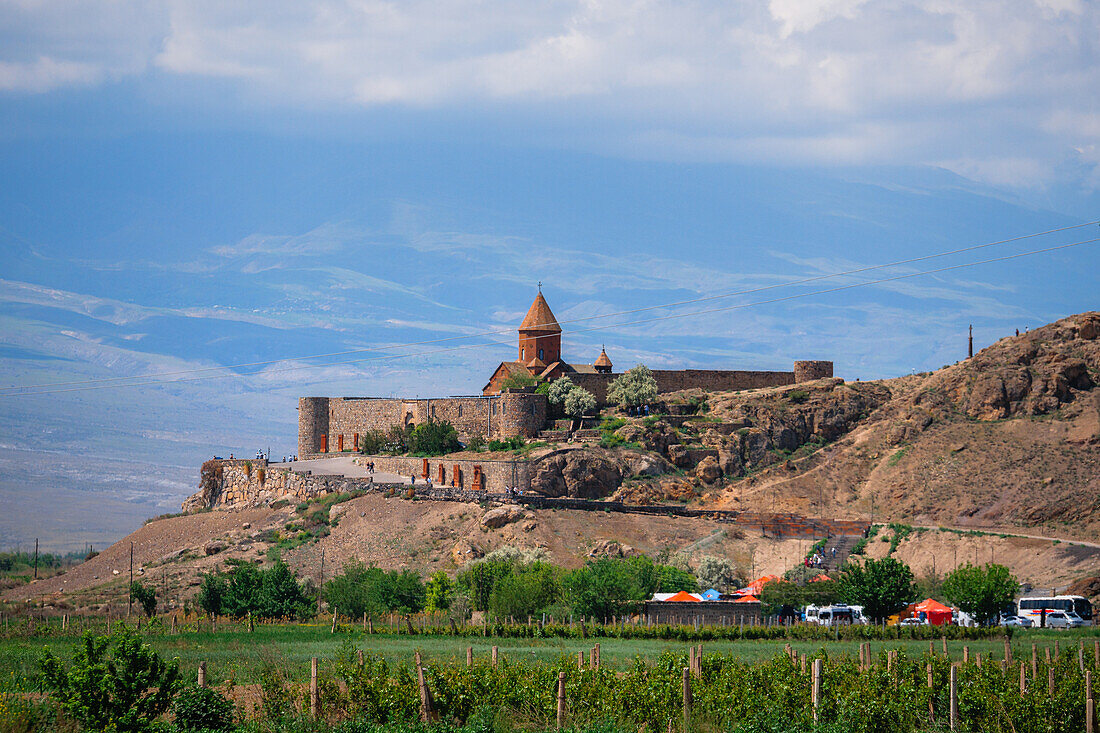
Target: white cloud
(817,80)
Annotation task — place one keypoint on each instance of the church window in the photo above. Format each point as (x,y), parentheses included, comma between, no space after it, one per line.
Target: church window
(460,410)
(540,353)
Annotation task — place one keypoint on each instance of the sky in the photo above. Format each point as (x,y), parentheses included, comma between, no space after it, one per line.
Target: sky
(198,185)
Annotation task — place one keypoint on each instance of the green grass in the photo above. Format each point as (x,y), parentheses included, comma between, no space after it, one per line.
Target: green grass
(239,655)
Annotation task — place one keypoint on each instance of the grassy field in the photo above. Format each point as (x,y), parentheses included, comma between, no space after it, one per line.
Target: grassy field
(239,655)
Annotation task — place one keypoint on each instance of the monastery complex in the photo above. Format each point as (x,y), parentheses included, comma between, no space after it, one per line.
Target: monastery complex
(333,424)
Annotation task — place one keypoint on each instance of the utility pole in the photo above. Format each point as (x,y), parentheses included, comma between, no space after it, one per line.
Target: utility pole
(36,558)
(130,590)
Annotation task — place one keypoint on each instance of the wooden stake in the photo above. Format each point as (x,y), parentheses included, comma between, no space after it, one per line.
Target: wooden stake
(1050,682)
(1090,712)
(561,700)
(687,699)
(1023,678)
(494,657)
(580,659)
(370,625)
(1008,651)
(816,690)
(202,674)
(928,671)
(966,654)
(954,713)
(944,640)
(427,711)
(469,656)
(314,694)
(333,631)
(597,650)
(173,623)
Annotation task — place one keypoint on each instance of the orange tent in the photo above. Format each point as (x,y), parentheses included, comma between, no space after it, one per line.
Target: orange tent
(936,613)
(819,577)
(747,599)
(682,596)
(756,586)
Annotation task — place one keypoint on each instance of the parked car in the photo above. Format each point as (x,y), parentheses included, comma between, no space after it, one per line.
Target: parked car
(913,621)
(1064,620)
(1018,622)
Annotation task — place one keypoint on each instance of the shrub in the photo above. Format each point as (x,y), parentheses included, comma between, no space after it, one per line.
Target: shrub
(146,596)
(434,438)
(798,396)
(476,443)
(203,709)
(114,683)
(578,402)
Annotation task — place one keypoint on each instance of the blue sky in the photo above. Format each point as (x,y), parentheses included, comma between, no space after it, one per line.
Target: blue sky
(190,185)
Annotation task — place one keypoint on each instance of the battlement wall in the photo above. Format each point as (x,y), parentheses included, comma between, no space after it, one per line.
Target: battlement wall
(715,380)
(334,424)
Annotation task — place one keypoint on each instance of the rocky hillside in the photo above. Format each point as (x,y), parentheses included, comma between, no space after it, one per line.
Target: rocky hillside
(1010,438)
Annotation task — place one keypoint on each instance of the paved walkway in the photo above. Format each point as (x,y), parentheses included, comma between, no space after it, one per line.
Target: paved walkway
(341,466)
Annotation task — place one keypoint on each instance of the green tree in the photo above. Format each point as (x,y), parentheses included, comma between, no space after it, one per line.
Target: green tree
(558,390)
(635,387)
(525,591)
(579,402)
(242,593)
(434,438)
(981,591)
(517,381)
(437,592)
(482,577)
(607,587)
(145,596)
(672,579)
(716,572)
(212,593)
(882,587)
(282,595)
(360,589)
(114,683)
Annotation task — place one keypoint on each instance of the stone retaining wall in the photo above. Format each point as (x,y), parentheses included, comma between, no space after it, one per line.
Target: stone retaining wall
(705,613)
(496,476)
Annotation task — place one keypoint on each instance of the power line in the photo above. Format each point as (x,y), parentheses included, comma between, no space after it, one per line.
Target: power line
(500,332)
(674,316)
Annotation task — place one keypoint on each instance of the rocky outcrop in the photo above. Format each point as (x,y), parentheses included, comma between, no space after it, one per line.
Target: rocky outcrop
(583,474)
(1035,373)
(612,549)
(497,518)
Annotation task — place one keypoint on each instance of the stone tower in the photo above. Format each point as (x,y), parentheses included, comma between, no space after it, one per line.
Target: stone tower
(602,364)
(970,349)
(539,336)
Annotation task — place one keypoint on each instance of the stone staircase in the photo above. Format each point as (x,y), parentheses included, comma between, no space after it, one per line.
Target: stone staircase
(843,544)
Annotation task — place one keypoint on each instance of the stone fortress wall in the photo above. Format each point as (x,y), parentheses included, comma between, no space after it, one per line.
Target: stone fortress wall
(334,424)
(714,380)
(329,425)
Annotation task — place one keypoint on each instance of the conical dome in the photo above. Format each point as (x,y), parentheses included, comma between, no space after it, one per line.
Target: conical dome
(540,318)
(602,360)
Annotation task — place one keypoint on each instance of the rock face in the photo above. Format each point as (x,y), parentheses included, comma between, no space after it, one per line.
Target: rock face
(1035,373)
(497,518)
(583,474)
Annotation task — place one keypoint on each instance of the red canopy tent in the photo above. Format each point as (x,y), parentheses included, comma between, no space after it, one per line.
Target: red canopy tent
(756,586)
(747,599)
(936,613)
(682,596)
